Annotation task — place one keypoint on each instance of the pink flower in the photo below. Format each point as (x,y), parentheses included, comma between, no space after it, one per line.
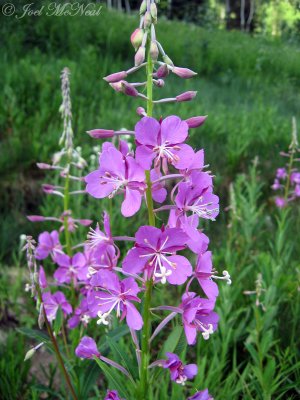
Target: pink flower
(280,202)
(87,348)
(163,143)
(112,395)
(52,302)
(179,373)
(204,273)
(48,243)
(113,294)
(155,253)
(202,395)
(118,173)
(70,268)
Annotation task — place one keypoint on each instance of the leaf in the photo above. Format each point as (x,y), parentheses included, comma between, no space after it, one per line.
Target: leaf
(34,334)
(115,381)
(172,341)
(58,321)
(88,377)
(123,356)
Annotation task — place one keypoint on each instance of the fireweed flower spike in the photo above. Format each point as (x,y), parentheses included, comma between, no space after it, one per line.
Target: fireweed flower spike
(102,284)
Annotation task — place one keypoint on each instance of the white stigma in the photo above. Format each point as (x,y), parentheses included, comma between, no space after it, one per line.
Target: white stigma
(207,332)
(102,318)
(163,274)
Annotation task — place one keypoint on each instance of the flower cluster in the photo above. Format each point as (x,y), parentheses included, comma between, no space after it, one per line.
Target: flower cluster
(287,179)
(163,174)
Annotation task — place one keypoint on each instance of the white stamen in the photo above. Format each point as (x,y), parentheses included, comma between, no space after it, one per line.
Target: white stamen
(102,318)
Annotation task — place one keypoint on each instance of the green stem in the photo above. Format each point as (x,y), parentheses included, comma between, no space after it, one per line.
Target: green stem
(56,349)
(145,349)
(287,186)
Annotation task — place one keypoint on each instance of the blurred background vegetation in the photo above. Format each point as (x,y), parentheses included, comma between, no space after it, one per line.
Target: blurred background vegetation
(247,57)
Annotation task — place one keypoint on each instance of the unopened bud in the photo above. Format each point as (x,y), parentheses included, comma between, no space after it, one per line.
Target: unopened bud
(186,96)
(48,188)
(147,20)
(162,71)
(41,318)
(184,73)
(116,77)
(29,354)
(153,12)
(159,82)
(168,60)
(43,166)
(128,89)
(141,111)
(143,7)
(154,51)
(117,86)
(101,133)
(35,218)
(194,122)
(136,38)
(140,56)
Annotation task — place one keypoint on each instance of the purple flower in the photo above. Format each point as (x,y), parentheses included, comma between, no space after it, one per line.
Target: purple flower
(159,193)
(276,185)
(48,243)
(198,241)
(297,191)
(281,173)
(295,178)
(118,173)
(203,273)
(42,278)
(196,163)
(81,314)
(97,238)
(163,143)
(197,315)
(196,196)
(155,252)
(70,268)
(179,373)
(280,202)
(52,302)
(112,395)
(203,395)
(87,348)
(115,295)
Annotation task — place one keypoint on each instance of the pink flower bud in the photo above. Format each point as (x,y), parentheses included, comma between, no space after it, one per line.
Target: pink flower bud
(162,71)
(153,11)
(147,20)
(35,218)
(140,56)
(117,86)
(136,38)
(128,89)
(141,111)
(154,51)
(48,188)
(101,133)
(159,83)
(194,122)
(184,73)
(43,166)
(168,60)
(186,96)
(85,222)
(116,77)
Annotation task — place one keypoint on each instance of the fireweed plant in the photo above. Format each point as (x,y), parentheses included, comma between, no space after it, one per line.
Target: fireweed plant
(287,180)
(95,284)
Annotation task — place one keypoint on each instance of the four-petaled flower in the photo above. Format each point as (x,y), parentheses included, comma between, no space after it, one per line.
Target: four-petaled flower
(52,302)
(71,268)
(163,143)
(179,373)
(48,243)
(113,294)
(87,348)
(155,253)
(118,173)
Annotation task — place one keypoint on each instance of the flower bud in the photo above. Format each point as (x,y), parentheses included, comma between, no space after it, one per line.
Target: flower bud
(116,77)
(117,86)
(136,38)
(168,60)
(143,7)
(159,83)
(29,354)
(140,56)
(101,133)
(141,111)
(153,12)
(128,89)
(162,71)
(35,218)
(147,20)
(154,51)
(48,188)
(186,96)
(43,166)
(194,122)
(184,73)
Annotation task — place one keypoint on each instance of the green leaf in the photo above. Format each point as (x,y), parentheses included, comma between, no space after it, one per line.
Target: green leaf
(172,342)
(58,321)
(34,334)
(114,379)
(123,357)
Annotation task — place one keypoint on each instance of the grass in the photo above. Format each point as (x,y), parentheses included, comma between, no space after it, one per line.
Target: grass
(249,87)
